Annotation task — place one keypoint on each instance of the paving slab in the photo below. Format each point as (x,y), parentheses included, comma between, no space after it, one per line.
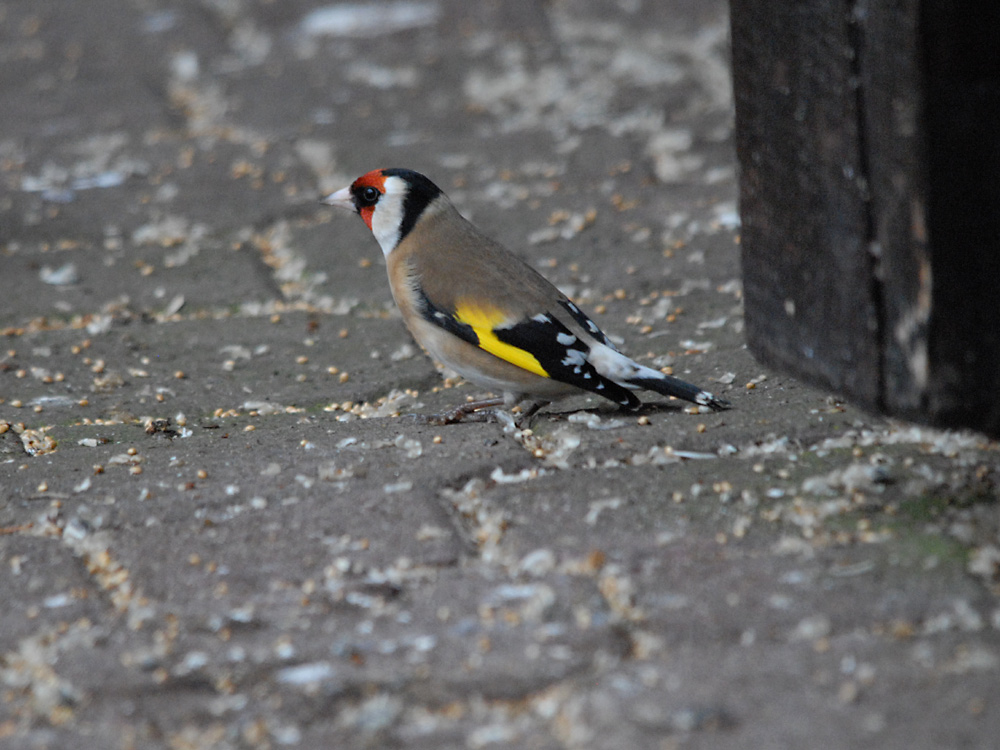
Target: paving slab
(225,518)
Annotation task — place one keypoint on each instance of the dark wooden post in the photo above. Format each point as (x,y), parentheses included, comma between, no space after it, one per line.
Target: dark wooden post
(868,139)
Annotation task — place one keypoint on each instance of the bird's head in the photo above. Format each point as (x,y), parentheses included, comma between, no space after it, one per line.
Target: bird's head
(389,200)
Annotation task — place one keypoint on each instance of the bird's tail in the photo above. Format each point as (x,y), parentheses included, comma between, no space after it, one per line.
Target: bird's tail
(615,366)
(671,386)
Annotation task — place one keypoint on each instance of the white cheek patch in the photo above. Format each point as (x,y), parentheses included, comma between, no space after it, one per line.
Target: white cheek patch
(388,215)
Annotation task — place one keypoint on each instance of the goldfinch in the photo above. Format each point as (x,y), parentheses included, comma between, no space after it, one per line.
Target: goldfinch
(478,309)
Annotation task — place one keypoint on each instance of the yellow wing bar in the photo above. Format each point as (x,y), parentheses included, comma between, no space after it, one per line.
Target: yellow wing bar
(484,321)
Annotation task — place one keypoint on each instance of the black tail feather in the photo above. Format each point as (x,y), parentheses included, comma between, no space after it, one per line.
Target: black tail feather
(671,386)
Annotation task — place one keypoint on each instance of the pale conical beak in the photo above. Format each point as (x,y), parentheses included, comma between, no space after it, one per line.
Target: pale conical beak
(341,199)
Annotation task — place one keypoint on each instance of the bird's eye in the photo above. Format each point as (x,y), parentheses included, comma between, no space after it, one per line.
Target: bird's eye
(369,196)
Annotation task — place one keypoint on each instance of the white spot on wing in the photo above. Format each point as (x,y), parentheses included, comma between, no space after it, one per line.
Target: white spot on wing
(566,339)
(542,318)
(574,358)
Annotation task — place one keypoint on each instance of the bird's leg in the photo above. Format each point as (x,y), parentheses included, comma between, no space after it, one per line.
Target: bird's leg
(465,411)
(523,420)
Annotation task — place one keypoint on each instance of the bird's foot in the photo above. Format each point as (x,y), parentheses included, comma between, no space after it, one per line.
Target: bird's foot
(523,420)
(472,411)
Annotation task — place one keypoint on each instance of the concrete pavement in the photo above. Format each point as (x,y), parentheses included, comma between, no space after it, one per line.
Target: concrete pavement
(220,527)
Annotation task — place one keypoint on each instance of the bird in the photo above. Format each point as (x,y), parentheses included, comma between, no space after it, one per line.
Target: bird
(477,308)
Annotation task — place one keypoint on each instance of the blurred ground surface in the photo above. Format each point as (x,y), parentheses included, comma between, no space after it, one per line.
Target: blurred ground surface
(236,543)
